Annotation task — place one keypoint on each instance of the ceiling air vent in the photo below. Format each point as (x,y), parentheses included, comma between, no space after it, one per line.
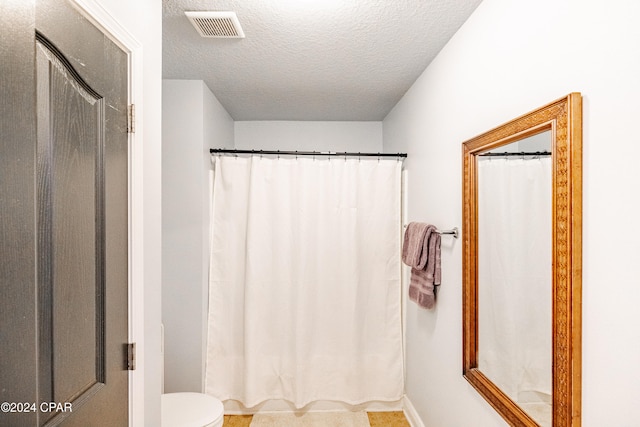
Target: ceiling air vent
(216,24)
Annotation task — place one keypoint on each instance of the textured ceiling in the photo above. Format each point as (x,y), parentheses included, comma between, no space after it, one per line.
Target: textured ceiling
(311,59)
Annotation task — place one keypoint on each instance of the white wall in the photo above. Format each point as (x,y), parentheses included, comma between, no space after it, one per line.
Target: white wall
(309,136)
(193,121)
(507,59)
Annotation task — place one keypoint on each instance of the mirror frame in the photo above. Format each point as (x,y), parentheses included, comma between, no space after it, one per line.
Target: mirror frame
(564,118)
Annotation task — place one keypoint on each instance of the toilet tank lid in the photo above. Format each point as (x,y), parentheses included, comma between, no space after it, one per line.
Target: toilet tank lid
(190,409)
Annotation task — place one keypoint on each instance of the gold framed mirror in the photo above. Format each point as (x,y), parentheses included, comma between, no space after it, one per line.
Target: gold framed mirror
(522,265)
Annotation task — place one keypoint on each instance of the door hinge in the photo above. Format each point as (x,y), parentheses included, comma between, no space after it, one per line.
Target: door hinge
(131,118)
(131,356)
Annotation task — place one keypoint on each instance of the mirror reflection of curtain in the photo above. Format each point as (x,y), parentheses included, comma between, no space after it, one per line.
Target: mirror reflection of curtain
(305,295)
(515,279)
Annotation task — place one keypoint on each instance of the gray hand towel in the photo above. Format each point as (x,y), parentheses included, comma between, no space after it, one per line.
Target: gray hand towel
(414,247)
(421,251)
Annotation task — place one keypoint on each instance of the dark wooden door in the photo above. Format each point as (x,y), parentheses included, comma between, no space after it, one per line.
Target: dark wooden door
(64,206)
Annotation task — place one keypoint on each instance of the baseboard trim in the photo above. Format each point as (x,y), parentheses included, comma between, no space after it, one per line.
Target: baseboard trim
(410,413)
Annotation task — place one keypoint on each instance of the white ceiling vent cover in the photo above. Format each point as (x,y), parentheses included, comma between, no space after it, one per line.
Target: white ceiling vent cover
(216,24)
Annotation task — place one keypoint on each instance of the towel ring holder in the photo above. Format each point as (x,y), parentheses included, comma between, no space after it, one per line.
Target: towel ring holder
(455,232)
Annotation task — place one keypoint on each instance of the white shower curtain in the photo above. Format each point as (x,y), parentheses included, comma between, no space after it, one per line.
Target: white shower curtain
(514,275)
(305,295)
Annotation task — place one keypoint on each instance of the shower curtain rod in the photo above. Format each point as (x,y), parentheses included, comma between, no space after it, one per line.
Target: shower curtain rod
(305,153)
(521,153)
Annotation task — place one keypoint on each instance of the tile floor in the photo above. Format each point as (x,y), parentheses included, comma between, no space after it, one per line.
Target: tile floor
(376,419)
(388,419)
(237,420)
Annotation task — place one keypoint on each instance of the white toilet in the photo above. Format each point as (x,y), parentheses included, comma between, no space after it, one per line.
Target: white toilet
(191,410)
(188,409)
